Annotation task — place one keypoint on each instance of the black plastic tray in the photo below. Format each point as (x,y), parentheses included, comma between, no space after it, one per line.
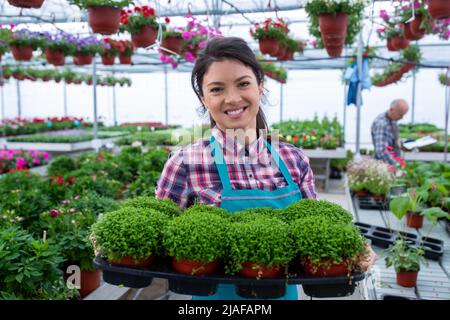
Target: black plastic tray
(320,287)
(369,203)
(384,237)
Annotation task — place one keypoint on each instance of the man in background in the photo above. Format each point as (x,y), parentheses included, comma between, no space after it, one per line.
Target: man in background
(385,131)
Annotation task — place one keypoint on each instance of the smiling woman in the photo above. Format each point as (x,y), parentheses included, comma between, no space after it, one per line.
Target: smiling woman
(238,166)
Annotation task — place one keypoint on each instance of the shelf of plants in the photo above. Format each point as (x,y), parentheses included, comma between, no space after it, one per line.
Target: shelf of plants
(433,152)
(312,243)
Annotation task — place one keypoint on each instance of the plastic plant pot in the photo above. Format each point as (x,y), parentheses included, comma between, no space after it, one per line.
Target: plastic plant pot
(414,220)
(407,279)
(194,267)
(253,270)
(24,53)
(268,46)
(104,19)
(130,262)
(146,37)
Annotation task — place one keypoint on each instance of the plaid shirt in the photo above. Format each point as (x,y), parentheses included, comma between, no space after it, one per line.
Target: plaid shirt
(191,173)
(385,133)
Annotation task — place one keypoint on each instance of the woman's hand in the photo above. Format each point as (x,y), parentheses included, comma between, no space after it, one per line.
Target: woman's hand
(370,261)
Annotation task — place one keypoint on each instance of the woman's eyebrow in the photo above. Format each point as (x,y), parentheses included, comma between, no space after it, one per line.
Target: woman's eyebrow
(221,83)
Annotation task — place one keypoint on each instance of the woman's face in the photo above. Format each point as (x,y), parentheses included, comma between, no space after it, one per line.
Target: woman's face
(232,95)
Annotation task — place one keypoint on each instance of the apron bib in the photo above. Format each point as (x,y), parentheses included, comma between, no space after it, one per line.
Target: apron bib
(237,200)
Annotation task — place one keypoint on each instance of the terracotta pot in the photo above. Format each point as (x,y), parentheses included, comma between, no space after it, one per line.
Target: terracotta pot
(82,59)
(45,79)
(253,270)
(144,38)
(22,53)
(333,271)
(104,19)
(125,59)
(414,27)
(289,55)
(172,44)
(57,80)
(333,29)
(407,67)
(194,267)
(439,9)
(89,82)
(414,220)
(26,3)
(55,57)
(390,45)
(379,197)
(268,46)
(361,193)
(407,278)
(108,60)
(128,261)
(90,280)
(68,81)
(408,33)
(281,53)
(334,51)
(18,76)
(400,43)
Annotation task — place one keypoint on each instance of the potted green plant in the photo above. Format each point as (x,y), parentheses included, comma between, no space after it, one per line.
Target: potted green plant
(406,261)
(314,208)
(35,4)
(165,206)
(261,247)
(416,29)
(269,34)
(110,51)
(335,23)
(328,248)
(86,49)
(129,236)
(256,213)
(23,43)
(68,75)
(196,242)
(412,56)
(172,41)
(141,23)
(103,15)
(57,47)
(126,49)
(443,79)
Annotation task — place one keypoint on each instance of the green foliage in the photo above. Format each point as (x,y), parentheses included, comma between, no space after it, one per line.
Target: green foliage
(255,213)
(319,239)
(61,139)
(61,166)
(129,232)
(208,209)
(83,4)
(412,53)
(404,257)
(197,236)
(165,206)
(306,208)
(29,267)
(412,201)
(265,241)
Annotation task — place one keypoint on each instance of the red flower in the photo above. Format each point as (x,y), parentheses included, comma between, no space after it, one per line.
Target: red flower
(54,213)
(60,180)
(167,20)
(295,138)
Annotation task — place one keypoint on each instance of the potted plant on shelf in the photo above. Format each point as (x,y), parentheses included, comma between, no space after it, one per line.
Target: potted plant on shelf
(68,75)
(141,23)
(422,23)
(165,206)
(34,4)
(261,247)
(86,49)
(22,44)
(335,22)
(269,34)
(110,51)
(103,15)
(443,79)
(128,236)
(172,41)
(126,50)
(196,241)
(406,260)
(57,47)
(315,208)
(328,248)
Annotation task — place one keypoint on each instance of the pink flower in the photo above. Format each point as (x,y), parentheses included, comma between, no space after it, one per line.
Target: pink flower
(165,59)
(54,213)
(203,31)
(36,161)
(384,15)
(202,44)
(21,163)
(191,24)
(45,155)
(189,57)
(174,64)
(186,35)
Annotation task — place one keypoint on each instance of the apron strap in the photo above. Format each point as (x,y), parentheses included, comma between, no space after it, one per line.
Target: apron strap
(222,166)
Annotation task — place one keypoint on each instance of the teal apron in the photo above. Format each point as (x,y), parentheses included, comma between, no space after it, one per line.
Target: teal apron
(237,200)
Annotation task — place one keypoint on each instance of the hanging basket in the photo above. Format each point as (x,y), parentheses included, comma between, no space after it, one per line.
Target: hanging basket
(409,35)
(439,9)
(55,57)
(289,55)
(399,43)
(333,29)
(35,4)
(415,28)
(407,67)
(146,37)
(24,53)
(281,53)
(82,59)
(268,46)
(125,59)
(104,19)
(172,44)
(107,59)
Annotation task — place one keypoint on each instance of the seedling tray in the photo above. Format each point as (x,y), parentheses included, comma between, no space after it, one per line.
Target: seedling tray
(370,203)
(320,287)
(384,237)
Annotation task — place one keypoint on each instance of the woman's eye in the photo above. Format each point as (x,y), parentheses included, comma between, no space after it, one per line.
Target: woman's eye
(244,84)
(216,89)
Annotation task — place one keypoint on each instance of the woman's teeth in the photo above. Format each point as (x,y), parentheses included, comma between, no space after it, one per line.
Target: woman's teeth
(235,112)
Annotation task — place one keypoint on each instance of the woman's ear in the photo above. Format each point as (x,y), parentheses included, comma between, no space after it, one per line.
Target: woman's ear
(202,99)
(261,88)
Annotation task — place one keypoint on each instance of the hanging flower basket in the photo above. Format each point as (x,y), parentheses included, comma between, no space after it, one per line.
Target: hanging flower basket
(35,4)
(269,46)
(146,37)
(103,19)
(20,53)
(82,59)
(439,9)
(414,27)
(407,67)
(399,43)
(55,57)
(172,43)
(18,76)
(108,60)
(281,53)
(333,29)
(124,59)
(409,35)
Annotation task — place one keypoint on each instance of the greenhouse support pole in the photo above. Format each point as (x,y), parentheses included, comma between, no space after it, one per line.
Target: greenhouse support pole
(447,113)
(2,84)
(94,86)
(344,122)
(413,99)
(19,102)
(114,104)
(65,98)
(166,95)
(281,101)
(358,97)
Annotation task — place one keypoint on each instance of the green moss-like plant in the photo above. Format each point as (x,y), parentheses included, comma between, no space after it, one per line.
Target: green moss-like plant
(198,236)
(204,208)
(255,213)
(324,242)
(165,206)
(128,232)
(61,165)
(264,241)
(315,208)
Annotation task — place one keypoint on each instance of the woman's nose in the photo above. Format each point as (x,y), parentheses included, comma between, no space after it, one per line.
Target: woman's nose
(233,96)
